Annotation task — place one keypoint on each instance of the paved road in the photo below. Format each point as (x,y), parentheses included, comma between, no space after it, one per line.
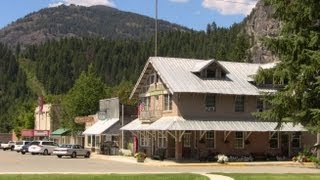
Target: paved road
(15,162)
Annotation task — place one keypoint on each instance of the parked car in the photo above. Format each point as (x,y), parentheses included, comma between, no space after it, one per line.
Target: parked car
(19,145)
(72,150)
(25,148)
(43,147)
(8,145)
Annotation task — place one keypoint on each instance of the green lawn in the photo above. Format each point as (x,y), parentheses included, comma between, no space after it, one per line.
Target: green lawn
(274,176)
(105,177)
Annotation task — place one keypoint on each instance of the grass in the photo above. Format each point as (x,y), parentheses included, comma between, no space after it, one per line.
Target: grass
(273,176)
(185,176)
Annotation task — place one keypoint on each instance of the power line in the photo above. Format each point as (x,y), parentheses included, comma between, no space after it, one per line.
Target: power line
(237,2)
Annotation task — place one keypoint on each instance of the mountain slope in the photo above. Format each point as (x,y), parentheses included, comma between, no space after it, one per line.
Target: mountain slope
(70,21)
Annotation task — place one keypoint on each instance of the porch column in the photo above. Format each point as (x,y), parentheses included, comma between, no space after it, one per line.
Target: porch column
(178,149)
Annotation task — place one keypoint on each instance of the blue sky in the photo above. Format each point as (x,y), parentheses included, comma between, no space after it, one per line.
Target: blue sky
(194,14)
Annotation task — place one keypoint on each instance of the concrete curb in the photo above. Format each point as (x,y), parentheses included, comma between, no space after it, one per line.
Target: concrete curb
(165,163)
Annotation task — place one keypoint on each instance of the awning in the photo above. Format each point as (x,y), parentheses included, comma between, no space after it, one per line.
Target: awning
(100,126)
(60,132)
(181,124)
(135,125)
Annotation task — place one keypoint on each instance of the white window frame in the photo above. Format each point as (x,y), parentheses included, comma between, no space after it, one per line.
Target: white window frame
(162,140)
(144,139)
(276,137)
(210,107)
(167,102)
(211,138)
(187,140)
(239,103)
(239,139)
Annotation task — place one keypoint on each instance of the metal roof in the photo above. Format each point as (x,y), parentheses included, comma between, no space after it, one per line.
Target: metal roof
(135,125)
(100,126)
(177,123)
(177,74)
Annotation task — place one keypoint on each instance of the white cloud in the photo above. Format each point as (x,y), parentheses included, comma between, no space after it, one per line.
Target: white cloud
(230,7)
(179,1)
(84,3)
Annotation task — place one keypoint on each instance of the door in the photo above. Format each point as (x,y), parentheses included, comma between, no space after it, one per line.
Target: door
(186,149)
(285,144)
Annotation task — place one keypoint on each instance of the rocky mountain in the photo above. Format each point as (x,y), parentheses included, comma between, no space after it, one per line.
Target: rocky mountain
(79,21)
(258,25)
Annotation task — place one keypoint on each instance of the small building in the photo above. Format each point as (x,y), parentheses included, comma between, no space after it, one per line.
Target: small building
(193,108)
(102,130)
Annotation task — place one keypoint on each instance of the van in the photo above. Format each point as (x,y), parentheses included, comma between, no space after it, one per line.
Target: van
(19,145)
(42,147)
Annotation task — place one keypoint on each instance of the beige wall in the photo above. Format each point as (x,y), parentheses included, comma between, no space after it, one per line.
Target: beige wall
(42,119)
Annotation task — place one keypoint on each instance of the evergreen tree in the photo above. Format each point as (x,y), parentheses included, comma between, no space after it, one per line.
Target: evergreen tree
(298,47)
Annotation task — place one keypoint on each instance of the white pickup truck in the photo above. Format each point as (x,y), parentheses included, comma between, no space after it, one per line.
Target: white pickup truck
(9,145)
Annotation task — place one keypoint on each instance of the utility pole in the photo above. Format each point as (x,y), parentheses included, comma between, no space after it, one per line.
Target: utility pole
(122,124)
(156,29)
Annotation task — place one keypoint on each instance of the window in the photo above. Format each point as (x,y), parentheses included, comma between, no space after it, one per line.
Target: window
(144,139)
(167,102)
(210,139)
(239,104)
(187,140)
(162,140)
(296,140)
(145,103)
(259,105)
(210,102)
(152,78)
(211,73)
(89,140)
(239,140)
(274,140)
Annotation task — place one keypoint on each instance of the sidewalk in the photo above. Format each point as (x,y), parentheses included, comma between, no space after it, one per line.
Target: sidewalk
(151,162)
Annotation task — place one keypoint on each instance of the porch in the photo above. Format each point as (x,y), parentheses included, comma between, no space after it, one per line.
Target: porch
(202,140)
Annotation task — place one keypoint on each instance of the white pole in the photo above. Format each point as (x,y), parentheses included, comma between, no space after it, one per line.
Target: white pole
(122,124)
(156,29)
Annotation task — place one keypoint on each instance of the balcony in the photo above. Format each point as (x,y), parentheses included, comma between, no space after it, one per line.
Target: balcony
(150,115)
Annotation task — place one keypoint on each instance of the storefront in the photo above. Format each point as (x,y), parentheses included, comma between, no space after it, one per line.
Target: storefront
(29,134)
(61,136)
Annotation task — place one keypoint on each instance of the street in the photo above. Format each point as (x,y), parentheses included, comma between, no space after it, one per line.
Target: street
(13,162)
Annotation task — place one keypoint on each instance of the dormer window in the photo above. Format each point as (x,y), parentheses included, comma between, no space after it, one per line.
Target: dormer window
(210,69)
(152,78)
(211,73)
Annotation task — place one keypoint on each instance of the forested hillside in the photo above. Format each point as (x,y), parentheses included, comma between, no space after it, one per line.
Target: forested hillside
(79,21)
(59,63)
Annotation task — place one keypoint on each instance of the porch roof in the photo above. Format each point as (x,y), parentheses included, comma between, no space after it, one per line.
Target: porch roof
(60,132)
(180,124)
(100,126)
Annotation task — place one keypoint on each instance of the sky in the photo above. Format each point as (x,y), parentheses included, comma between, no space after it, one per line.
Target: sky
(195,14)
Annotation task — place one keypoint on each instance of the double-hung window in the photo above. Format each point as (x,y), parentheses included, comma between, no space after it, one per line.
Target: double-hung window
(239,104)
(211,102)
(144,139)
(162,139)
(187,140)
(210,139)
(239,140)
(167,102)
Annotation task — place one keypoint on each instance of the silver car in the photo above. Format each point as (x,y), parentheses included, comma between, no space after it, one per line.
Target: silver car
(72,150)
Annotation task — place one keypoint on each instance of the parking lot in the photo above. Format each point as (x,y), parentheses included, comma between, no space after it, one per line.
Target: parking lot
(13,162)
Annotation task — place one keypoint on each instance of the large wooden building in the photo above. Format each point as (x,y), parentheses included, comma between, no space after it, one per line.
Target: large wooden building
(192,108)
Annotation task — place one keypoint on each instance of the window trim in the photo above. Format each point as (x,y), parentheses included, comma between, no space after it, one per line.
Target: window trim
(236,138)
(237,104)
(167,106)
(162,137)
(211,139)
(189,140)
(144,135)
(210,107)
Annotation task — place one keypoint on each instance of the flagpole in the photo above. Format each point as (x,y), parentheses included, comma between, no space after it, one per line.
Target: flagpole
(156,29)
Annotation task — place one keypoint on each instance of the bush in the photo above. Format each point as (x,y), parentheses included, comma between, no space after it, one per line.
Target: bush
(222,158)
(141,156)
(125,152)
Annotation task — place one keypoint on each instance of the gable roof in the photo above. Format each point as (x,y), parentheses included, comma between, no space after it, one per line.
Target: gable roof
(176,73)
